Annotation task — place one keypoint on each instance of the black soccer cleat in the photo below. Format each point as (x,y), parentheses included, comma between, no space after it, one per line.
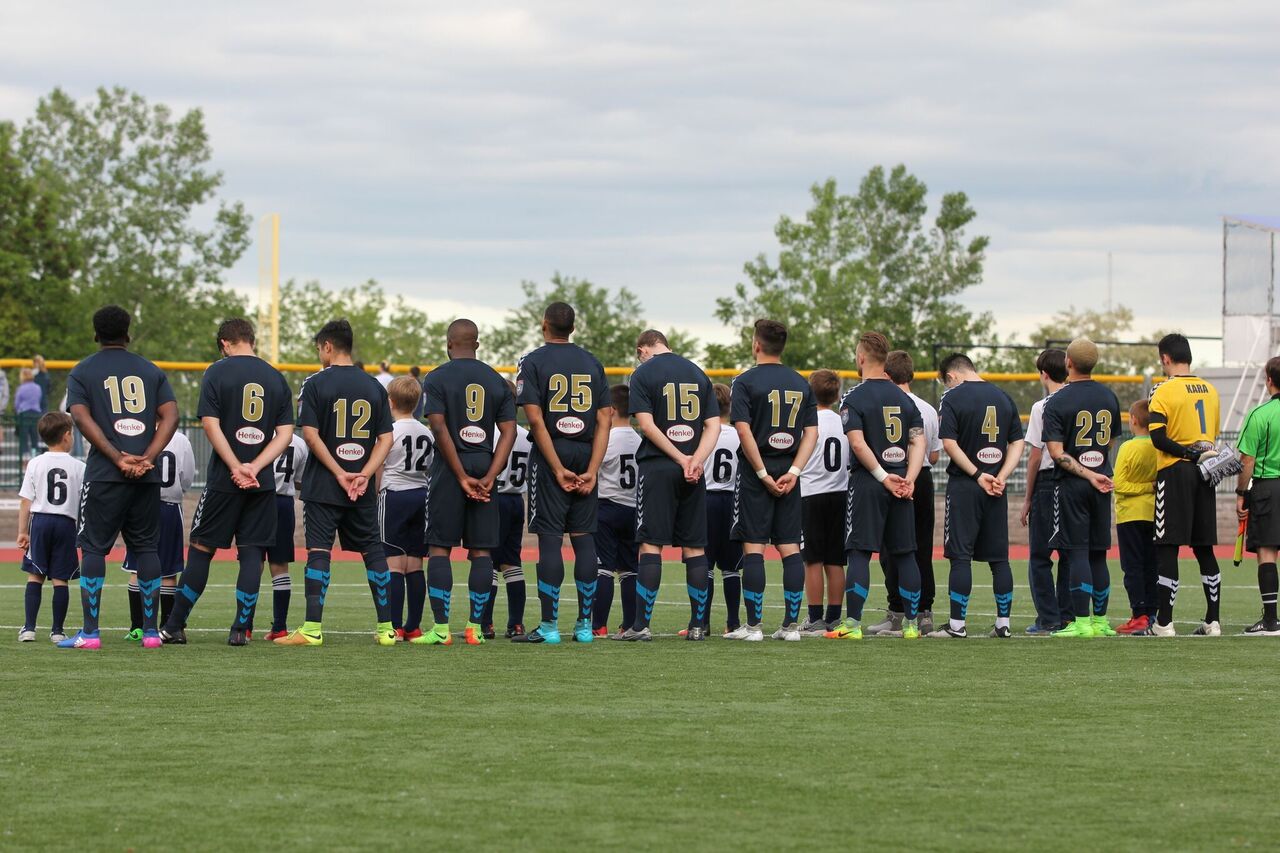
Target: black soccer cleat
(488,632)
(238,637)
(1000,633)
(516,630)
(175,637)
(1264,627)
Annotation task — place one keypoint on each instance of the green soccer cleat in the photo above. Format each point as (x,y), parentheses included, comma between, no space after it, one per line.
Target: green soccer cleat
(1078,628)
(848,629)
(1101,626)
(134,636)
(910,631)
(438,636)
(384,634)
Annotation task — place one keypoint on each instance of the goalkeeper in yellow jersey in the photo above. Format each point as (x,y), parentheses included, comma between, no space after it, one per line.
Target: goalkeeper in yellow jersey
(1184,429)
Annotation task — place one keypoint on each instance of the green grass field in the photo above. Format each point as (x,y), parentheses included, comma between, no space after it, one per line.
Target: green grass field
(1115,744)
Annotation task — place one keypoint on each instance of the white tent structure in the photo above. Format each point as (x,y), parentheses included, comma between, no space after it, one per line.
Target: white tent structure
(1250,327)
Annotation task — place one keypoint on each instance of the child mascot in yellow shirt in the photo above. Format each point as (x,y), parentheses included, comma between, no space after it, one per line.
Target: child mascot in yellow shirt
(1135,480)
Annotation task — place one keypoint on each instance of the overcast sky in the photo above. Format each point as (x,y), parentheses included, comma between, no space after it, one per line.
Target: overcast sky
(451,149)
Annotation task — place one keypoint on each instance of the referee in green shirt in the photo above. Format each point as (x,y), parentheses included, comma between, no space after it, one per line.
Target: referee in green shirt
(1259,447)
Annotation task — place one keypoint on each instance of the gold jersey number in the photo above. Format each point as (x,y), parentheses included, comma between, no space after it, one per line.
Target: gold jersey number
(569,392)
(682,401)
(779,400)
(1093,428)
(127,395)
(359,411)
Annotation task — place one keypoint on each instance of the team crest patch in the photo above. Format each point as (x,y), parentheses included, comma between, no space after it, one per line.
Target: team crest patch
(129,426)
(990,455)
(472,435)
(250,435)
(519,387)
(349,452)
(781,440)
(1091,458)
(680,432)
(894,455)
(570,425)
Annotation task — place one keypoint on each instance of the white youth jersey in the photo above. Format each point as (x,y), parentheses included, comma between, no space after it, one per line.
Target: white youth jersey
(52,484)
(828,468)
(514,479)
(928,414)
(618,470)
(407,464)
(290,464)
(177,465)
(1035,432)
(721,466)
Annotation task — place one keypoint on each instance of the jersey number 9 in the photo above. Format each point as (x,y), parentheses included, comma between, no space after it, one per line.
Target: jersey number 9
(475,402)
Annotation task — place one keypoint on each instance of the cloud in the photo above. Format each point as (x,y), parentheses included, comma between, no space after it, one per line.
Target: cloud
(453,150)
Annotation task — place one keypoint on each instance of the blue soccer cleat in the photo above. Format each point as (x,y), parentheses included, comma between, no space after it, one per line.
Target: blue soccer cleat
(582,631)
(82,640)
(546,632)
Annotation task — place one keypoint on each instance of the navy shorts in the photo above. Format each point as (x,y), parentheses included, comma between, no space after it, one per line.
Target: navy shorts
(281,552)
(510,530)
(1082,516)
(876,520)
(109,509)
(53,547)
(249,517)
(761,518)
(454,519)
(552,510)
(670,510)
(169,548)
(823,528)
(616,547)
(356,524)
(404,522)
(722,550)
(976,525)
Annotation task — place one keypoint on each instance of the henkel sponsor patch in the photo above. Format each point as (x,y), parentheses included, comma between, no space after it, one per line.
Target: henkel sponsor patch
(349,452)
(250,435)
(680,432)
(130,426)
(1092,458)
(570,425)
(990,455)
(894,455)
(781,440)
(472,434)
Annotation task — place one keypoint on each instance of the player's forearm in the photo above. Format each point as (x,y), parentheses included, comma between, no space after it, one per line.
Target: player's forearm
(501,453)
(166,426)
(92,432)
(277,445)
(747,444)
(915,456)
(24,516)
(1160,441)
(600,440)
(320,453)
(808,441)
(1246,472)
(213,431)
(379,455)
(707,444)
(446,448)
(1013,454)
(541,438)
(1066,462)
(650,430)
(959,457)
(862,451)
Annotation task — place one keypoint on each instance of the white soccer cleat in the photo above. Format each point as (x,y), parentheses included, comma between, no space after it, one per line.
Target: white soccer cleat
(1208,629)
(1158,630)
(25,636)
(56,637)
(755,634)
(739,633)
(789,633)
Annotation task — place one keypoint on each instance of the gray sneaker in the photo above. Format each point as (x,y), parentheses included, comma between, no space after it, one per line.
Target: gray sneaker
(814,628)
(891,625)
(924,621)
(631,635)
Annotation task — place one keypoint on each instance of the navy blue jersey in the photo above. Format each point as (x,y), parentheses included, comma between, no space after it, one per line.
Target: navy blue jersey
(678,395)
(350,410)
(569,385)
(1084,415)
(886,415)
(250,398)
(122,391)
(983,420)
(778,404)
(474,399)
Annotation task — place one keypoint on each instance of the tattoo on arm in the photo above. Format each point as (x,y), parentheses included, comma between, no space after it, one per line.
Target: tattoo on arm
(915,432)
(1068,463)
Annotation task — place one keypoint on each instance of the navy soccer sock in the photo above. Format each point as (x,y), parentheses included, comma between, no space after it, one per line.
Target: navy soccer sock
(695,573)
(792,587)
(1211,579)
(959,588)
(908,584)
(517,591)
(61,599)
(857,582)
(281,592)
(315,583)
(1167,584)
(248,587)
(1101,577)
(585,572)
(93,574)
(815,612)
(832,614)
(550,575)
(604,600)
(1268,586)
(487,616)
(31,603)
(753,587)
(149,587)
(415,599)
(732,582)
(627,594)
(379,575)
(395,596)
(191,586)
(711,595)
(479,587)
(1081,582)
(167,601)
(648,580)
(440,588)
(135,607)
(1002,586)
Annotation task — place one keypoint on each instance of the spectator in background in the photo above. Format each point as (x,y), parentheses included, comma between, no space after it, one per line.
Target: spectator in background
(4,399)
(42,379)
(416,373)
(384,376)
(26,405)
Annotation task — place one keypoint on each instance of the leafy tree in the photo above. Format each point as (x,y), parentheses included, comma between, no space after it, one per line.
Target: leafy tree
(857,263)
(608,323)
(386,329)
(134,186)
